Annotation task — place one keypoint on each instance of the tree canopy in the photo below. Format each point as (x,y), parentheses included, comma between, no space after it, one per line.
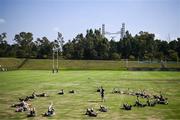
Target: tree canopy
(92,46)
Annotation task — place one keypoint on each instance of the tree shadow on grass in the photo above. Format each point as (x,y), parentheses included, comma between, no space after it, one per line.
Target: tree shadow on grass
(95,101)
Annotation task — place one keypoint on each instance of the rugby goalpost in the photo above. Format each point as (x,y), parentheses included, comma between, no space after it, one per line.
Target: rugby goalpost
(55,55)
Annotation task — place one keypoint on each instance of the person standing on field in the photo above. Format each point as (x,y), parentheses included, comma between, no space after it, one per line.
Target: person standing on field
(102,93)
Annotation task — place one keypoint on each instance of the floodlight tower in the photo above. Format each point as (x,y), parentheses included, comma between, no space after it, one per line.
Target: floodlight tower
(122,31)
(103,30)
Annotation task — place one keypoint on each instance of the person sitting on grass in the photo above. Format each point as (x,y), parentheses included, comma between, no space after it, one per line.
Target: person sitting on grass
(32,112)
(51,111)
(127,107)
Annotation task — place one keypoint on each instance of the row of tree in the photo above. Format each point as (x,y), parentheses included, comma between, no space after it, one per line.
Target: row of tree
(92,46)
(142,46)
(26,47)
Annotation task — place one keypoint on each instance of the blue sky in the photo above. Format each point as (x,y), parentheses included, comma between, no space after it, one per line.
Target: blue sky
(70,17)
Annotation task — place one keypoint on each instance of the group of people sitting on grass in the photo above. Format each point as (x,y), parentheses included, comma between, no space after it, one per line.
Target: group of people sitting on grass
(23,105)
(50,112)
(32,112)
(152,100)
(61,92)
(142,93)
(33,96)
(92,113)
(155,100)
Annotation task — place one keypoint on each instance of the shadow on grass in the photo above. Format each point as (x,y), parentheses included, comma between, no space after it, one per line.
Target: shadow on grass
(95,101)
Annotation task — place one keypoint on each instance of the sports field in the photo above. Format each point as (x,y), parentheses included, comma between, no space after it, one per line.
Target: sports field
(21,83)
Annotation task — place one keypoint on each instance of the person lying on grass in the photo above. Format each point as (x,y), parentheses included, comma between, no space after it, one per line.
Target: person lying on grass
(27,98)
(42,95)
(162,100)
(90,112)
(138,103)
(72,91)
(103,108)
(23,106)
(61,92)
(151,103)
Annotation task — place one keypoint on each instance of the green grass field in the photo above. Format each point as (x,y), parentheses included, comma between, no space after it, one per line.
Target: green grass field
(14,84)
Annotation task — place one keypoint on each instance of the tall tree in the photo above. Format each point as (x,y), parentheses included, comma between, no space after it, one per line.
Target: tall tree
(45,48)
(59,43)
(178,46)
(3,45)
(24,41)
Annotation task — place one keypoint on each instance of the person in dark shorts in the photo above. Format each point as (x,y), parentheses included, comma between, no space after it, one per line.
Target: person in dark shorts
(102,93)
